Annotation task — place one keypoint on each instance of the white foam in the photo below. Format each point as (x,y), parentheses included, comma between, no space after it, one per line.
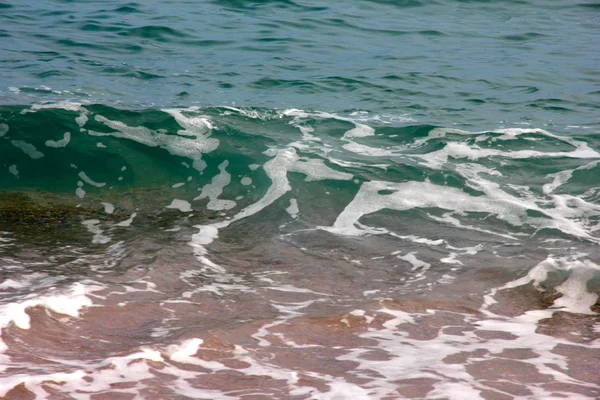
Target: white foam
(400,317)
(128,221)
(178,185)
(13,170)
(293,208)
(175,145)
(340,389)
(82,119)
(455,390)
(93,228)
(451,259)
(297,121)
(34,383)
(68,303)
(409,195)
(96,377)
(276,169)
(448,218)
(453,149)
(213,190)
(290,289)
(560,178)
(415,262)
(28,149)
(316,170)
(246,181)
(79,192)
(311,143)
(575,297)
(108,207)
(199,127)
(250,113)
(472,152)
(63,105)
(89,181)
(506,133)
(366,116)
(354,164)
(59,143)
(359,131)
(405,196)
(206,234)
(399,357)
(183,353)
(367,150)
(421,240)
(462,150)
(427,358)
(3,129)
(180,205)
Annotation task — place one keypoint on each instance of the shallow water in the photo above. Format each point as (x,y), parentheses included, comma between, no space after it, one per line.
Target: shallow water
(256,200)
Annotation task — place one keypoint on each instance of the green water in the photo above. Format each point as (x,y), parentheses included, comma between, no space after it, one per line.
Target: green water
(353,199)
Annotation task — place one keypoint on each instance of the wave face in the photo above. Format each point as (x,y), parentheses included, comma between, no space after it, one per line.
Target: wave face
(500,183)
(315,254)
(292,199)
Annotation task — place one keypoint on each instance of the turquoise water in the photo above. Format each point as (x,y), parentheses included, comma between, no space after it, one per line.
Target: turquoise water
(299,200)
(451,62)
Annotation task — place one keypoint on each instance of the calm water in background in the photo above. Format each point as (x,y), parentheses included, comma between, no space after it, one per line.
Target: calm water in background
(450,62)
(303,200)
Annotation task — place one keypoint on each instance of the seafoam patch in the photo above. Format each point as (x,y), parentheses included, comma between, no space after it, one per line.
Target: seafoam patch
(90,181)
(63,105)
(316,170)
(68,301)
(93,226)
(181,205)
(213,190)
(28,149)
(127,222)
(59,143)
(276,169)
(108,207)
(378,195)
(293,208)
(178,145)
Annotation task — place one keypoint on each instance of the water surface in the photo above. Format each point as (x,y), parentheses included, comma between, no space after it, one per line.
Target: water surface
(297,200)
